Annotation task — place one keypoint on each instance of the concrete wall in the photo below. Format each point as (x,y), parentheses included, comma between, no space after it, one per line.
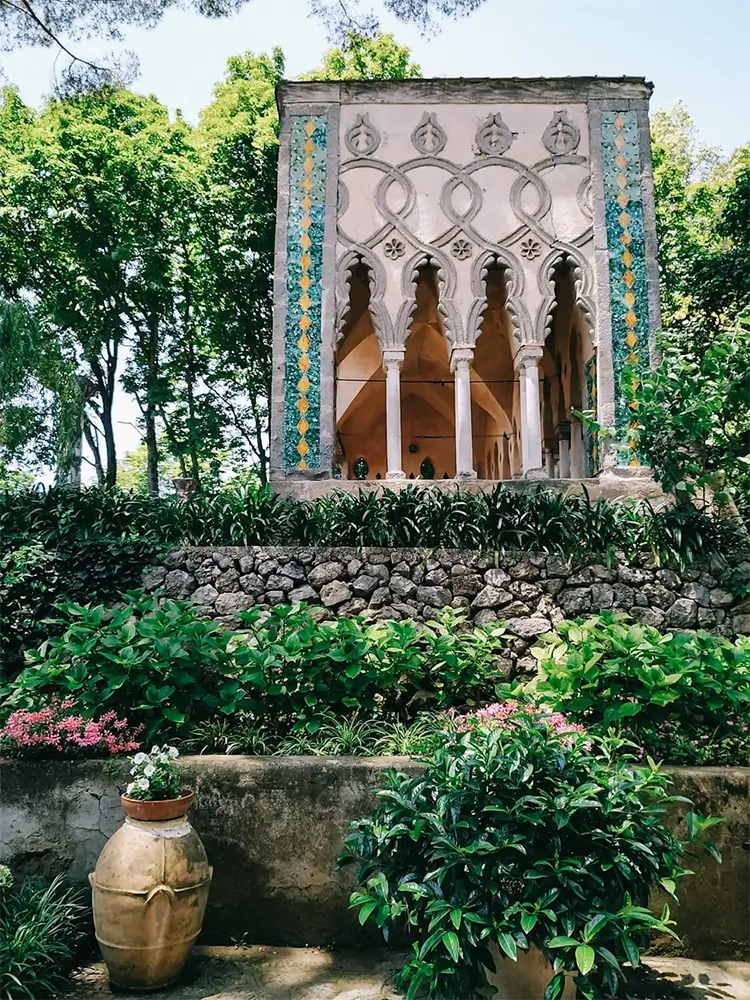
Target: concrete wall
(273,828)
(529,593)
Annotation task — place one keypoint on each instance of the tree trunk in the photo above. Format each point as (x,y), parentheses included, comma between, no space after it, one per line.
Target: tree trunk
(149,412)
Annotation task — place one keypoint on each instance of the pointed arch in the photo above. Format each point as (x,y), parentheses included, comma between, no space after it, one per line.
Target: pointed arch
(354,260)
(514,280)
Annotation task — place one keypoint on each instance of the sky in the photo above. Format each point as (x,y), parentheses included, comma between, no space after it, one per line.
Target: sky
(694,52)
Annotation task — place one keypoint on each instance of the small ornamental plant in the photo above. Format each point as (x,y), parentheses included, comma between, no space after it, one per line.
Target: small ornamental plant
(155,775)
(58,730)
(523,830)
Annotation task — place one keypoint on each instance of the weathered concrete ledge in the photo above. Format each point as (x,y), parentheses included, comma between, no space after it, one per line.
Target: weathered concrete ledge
(273,827)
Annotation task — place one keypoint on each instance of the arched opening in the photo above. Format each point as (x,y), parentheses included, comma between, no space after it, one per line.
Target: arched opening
(568,351)
(427,390)
(360,389)
(494,386)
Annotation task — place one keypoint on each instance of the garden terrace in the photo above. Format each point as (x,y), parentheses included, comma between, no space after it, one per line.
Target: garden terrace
(273,828)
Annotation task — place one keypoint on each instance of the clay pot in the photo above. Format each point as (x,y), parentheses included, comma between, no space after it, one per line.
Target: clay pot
(524,979)
(150,889)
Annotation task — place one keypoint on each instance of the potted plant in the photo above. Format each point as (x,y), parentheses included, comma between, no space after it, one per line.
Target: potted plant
(151,882)
(526,840)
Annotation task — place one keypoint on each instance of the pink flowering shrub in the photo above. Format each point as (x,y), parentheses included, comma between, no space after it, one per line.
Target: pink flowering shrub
(508,715)
(57,731)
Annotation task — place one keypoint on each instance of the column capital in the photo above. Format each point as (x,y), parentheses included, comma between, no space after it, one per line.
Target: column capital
(462,358)
(528,355)
(393,358)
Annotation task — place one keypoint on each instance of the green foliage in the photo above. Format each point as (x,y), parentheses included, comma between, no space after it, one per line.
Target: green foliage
(40,929)
(168,669)
(299,671)
(698,440)
(518,834)
(608,671)
(352,736)
(155,665)
(361,57)
(28,582)
(536,520)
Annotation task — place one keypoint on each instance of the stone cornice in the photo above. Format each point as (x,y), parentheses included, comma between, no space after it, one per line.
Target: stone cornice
(460,90)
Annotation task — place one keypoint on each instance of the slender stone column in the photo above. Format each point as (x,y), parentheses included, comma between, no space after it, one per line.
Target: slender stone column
(526,362)
(392,361)
(563,438)
(461,359)
(576,451)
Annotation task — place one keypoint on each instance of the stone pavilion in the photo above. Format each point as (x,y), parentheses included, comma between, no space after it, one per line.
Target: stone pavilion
(462,266)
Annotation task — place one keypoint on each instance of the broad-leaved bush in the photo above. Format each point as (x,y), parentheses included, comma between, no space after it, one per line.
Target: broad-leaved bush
(681,689)
(523,830)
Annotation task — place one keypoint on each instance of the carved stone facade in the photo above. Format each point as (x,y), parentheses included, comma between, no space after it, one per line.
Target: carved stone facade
(462,266)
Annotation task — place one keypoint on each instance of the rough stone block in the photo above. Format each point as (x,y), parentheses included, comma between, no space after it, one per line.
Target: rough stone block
(382,596)
(251,583)
(434,597)
(496,577)
(575,601)
(233,604)
(153,577)
(247,564)
(334,592)
(303,593)
(491,597)
(682,614)
(696,592)
(175,559)
(205,595)
(278,581)
(658,596)
(325,573)
(602,595)
(227,581)
(528,626)
(436,577)
(178,584)
(353,567)
(485,617)
(403,587)
(365,585)
(466,586)
(223,561)
(721,598)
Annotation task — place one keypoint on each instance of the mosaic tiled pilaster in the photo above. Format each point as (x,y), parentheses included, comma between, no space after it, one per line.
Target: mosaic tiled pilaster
(304,262)
(591,437)
(626,248)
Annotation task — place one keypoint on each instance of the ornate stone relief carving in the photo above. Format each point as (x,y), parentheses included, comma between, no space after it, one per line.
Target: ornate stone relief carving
(461,249)
(493,136)
(394,248)
(362,138)
(428,137)
(561,135)
(530,248)
(582,281)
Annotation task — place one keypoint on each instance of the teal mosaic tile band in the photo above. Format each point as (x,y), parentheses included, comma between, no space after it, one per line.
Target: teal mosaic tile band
(304,245)
(621,169)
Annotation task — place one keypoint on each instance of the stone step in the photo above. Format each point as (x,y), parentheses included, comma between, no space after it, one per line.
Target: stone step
(268,973)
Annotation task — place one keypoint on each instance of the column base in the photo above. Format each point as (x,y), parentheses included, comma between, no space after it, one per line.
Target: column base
(535,474)
(463,476)
(396,474)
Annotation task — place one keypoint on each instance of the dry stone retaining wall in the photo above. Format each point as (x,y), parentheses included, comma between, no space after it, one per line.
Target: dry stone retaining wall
(528,592)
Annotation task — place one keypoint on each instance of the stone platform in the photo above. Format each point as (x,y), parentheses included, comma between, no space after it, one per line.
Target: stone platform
(265,973)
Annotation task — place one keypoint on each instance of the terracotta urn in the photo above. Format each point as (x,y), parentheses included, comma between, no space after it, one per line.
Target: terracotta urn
(150,889)
(524,979)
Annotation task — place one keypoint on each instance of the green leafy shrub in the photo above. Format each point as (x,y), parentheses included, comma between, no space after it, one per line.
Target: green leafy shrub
(686,688)
(537,520)
(41,927)
(33,579)
(28,581)
(522,831)
(296,671)
(159,665)
(168,669)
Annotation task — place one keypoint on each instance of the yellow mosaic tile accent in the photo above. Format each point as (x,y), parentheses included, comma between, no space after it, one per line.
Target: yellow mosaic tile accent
(303,385)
